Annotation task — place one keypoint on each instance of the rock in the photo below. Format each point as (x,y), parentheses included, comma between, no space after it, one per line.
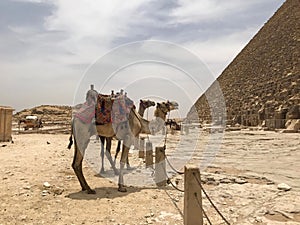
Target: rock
(45,193)
(23,217)
(215,183)
(283,187)
(270,212)
(148,215)
(46,185)
(292,126)
(210,178)
(58,190)
(240,181)
(225,181)
(154,196)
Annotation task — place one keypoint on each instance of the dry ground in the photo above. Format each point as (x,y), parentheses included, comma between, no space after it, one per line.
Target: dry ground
(240,182)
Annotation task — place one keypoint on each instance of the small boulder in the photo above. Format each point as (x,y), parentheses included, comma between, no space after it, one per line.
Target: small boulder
(46,185)
(240,181)
(283,187)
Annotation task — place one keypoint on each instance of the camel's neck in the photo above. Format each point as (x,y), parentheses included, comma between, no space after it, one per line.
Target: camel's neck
(138,124)
(142,109)
(159,113)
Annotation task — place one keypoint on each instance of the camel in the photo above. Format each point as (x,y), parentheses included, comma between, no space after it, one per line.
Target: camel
(161,111)
(125,131)
(160,114)
(144,104)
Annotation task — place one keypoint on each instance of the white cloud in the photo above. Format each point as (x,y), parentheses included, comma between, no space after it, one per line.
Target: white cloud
(195,11)
(91,25)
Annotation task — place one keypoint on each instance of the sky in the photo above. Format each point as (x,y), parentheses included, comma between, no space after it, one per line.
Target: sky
(52,50)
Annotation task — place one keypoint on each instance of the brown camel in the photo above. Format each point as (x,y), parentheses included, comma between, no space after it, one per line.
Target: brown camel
(161,111)
(160,114)
(144,104)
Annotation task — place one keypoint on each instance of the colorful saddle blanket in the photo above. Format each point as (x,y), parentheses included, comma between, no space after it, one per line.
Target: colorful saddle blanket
(85,112)
(112,110)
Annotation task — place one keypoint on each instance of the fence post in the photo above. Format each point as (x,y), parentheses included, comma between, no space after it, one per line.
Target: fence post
(136,143)
(187,130)
(160,167)
(142,148)
(149,155)
(192,211)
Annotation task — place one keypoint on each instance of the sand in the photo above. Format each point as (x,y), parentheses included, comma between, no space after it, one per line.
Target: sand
(38,185)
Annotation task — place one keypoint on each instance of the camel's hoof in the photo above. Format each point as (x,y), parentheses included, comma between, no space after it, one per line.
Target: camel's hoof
(102,171)
(122,189)
(91,191)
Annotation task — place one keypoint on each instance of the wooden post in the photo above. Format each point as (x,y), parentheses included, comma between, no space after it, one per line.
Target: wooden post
(187,131)
(142,148)
(136,143)
(163,130)
(192,211)
(149,155)
(160,167)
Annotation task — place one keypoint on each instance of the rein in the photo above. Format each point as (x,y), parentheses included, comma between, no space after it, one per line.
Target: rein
(166,134)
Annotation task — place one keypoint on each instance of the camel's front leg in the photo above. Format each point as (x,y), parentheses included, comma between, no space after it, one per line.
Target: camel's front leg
(124,155)
(116,155)
(117,150)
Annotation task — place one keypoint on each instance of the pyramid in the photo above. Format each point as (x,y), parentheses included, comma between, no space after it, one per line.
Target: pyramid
(262,84)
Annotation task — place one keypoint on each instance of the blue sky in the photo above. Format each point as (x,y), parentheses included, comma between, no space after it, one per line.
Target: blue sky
(47,46)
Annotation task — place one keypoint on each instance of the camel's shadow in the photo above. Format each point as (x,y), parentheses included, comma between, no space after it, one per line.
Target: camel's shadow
(110,192)
(103,192)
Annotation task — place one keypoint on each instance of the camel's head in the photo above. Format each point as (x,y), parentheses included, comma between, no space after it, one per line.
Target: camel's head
(167,106)
(91,96)
(172,105)
(147,103)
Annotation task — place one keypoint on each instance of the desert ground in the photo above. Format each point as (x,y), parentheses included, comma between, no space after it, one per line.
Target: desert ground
(252,176)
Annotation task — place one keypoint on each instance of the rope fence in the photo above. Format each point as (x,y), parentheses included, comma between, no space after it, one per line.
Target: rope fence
(196,192)
(192,189)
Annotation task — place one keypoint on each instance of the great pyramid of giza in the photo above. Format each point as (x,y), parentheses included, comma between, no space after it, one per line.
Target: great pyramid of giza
(262,84)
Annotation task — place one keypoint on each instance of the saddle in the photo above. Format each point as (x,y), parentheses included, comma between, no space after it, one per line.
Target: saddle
(112,109)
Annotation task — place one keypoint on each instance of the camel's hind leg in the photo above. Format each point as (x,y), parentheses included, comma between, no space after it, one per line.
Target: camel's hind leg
(77,166)
(123,161)
(102,140)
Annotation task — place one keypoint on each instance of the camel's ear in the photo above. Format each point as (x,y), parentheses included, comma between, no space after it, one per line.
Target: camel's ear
(141,100)
(158,104)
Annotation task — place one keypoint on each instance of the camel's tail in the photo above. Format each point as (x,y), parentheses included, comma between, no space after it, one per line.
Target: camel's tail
(70,141)
(71,136)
